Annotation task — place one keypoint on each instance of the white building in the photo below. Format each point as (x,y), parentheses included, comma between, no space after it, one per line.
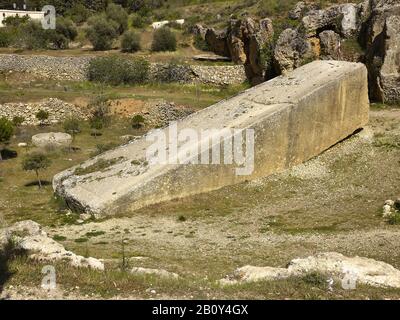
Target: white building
(34,15)
(160,24)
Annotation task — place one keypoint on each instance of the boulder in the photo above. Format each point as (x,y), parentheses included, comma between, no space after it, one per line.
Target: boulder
(290,51)
(157,272)
(217,41)
(52,140)
(298,11)
(330,45)
(332,264)
(29,236)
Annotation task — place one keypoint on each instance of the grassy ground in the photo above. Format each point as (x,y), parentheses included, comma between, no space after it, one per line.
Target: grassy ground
(24,88)
(333,203)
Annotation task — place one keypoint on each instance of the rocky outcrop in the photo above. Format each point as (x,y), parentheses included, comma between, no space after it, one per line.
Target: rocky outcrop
(244,42)
(216,39)
(29,236)
(350,271)
(58,111)
(382,39)
(291,51)
(330,45)
(333,33)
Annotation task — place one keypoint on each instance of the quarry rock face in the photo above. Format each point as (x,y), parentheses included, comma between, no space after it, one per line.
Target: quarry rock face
(290,51)
(382,40)
(330,45)
(288,120)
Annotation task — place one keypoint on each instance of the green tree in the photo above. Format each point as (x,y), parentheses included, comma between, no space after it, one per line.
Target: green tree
(163,40)
(118,14)
(101,33)
(36,162)
(64,33)
(78,13)
(42,116)
(72,126)
(130,42)
(137,121)
(6,132)
(96,124)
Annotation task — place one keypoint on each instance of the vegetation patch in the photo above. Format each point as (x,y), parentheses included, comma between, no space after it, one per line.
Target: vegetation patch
(101,165)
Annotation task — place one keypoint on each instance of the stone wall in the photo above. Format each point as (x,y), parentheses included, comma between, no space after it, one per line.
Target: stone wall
(58,110)
(294,118)
(75,69)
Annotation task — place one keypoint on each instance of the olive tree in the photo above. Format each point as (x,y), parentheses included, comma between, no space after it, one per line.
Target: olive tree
(36,162)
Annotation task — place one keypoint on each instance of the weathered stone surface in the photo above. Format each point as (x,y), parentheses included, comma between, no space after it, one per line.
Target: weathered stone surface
(340,18)
(330,45)
(357,269)
(244,41)
(28,235)
(297,11)
(157,272)
(294,118)
(216,39)
(290,51)
(383,51)
(52,140)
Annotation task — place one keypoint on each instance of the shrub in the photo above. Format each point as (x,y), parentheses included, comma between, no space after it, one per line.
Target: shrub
(72,126)
(100,113)
(163,40)
(117,70)
(96,124)
(18,120)
(6,130)
(6,37)
(118,14)
(15,21)
(101,33)
(130,42)
(139,21)
(64,33)
(200,43)
(78,13)
(36,162)
(42,115)
(31,36)
(137,121)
